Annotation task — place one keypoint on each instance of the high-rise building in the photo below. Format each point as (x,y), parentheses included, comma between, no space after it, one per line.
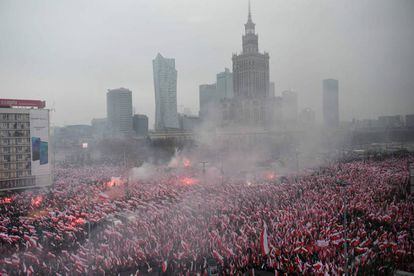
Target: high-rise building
(208,99)
(250,106)
(119,111)
(224,84)
(290,106)
(330,103)
(140,124)
(251,68)
(25,148)
(165,84)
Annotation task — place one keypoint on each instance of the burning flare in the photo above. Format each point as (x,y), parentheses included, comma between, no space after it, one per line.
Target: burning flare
(36,201)
(6,200)
(188,181)
(115,181)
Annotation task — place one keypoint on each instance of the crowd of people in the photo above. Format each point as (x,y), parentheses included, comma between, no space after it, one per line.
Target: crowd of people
(354,216)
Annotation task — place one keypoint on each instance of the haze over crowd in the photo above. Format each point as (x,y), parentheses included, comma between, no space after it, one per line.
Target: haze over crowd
(70,52)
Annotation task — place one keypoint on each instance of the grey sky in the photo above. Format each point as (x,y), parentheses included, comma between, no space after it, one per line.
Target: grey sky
(70,52)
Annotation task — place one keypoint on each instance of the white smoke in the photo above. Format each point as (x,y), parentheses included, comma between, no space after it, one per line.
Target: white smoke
(144,172)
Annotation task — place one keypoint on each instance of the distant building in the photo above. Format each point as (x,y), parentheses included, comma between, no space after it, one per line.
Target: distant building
(250,105)
(78,131)
(140,124)
(307,117)
(366,124)
(224,84)
(73,143)
(99,127)
(275,111)
(409,120)
(119,111)
(188,123)
(251,68)
(390,121)
(272,89)
(25,145)
(72,135)
(330,103)
(290,106)
(208,99)
(165,84)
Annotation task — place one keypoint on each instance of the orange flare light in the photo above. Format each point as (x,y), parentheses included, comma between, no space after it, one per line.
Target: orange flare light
(270,176)
(188,181)
(6,200)
(36,201)
(115,181)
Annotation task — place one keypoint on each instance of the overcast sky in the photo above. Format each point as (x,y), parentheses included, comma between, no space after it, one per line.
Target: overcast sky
(70,52)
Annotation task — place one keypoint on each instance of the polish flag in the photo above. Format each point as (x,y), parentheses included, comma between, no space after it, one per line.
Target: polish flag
(103,196)
(217,256)
(164,266)
(264,245)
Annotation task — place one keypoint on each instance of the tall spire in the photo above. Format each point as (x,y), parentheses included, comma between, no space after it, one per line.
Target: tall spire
(250,13)
(249,26)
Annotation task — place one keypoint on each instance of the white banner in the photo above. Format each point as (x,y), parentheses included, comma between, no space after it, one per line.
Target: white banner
(39,135)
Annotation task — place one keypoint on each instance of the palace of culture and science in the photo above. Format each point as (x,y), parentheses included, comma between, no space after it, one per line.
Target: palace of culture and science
(252,104)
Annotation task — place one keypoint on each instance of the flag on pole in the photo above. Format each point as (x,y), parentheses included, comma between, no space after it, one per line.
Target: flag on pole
(264,245)
(164,266)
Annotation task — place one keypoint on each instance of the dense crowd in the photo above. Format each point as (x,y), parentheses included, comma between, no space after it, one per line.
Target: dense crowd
(353,216)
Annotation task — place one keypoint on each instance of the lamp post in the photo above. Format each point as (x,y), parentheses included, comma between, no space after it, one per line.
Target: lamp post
(204,166)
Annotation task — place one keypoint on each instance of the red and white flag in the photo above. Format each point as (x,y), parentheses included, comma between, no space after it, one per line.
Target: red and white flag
(322,243)
(164,266)
(103,196)
(217,256)
(264,245)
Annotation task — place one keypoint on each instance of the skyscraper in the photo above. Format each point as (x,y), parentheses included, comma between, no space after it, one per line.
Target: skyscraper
(119,111)
(225,84)
(165,84)
(251,68)
(330,103)
(250,106)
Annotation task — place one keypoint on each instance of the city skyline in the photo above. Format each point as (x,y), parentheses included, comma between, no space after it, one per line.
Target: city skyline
(48,61)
